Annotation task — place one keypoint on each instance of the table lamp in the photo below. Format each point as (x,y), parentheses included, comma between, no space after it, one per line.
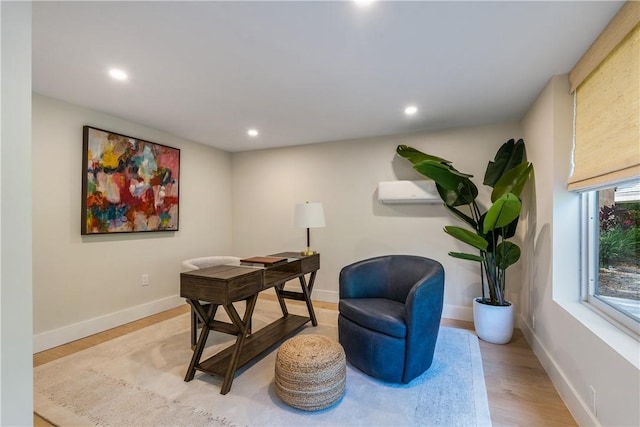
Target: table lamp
(308,215)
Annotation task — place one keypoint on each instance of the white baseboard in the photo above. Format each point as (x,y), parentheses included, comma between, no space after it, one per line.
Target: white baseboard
(56,337)
(457,312)
(326,296)
(66,334)
(576,405)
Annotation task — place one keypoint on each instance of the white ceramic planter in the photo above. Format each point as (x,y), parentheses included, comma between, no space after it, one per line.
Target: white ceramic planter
(493,323)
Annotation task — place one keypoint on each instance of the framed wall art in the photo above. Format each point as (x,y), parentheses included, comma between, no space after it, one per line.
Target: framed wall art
(128,184)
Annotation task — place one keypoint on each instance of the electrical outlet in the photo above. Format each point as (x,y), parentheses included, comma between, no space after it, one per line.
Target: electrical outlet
(533,322)
(145,279)
(594,407)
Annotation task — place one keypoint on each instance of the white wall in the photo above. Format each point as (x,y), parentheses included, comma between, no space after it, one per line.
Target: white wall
(84,284)
(76,279)
(578,348)
(16,392)
(344,176)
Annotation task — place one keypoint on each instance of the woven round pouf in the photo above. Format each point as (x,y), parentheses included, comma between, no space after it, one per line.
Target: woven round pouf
(311,372)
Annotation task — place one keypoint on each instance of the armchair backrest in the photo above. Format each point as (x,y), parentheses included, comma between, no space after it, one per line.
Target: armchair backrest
(389,276)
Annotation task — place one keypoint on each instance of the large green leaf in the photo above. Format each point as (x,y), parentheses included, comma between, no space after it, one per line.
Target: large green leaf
(466,218)
(466,236)
(502,212)
(469,257)
(509,155)
(510,230)
(440,173)
(417,156)
(493,236)
(455,188)
(465,194)
(449,197)
(443,174)
(507,254)
(512,181)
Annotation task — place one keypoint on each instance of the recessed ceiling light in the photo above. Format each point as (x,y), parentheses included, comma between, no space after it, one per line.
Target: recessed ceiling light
(411,110)
(252,132)
(118,74)
(364,3)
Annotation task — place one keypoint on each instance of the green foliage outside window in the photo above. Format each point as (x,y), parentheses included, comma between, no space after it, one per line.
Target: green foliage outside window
(619,234)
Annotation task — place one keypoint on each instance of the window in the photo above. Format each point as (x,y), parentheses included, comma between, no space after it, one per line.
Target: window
(612,252)
(606,167)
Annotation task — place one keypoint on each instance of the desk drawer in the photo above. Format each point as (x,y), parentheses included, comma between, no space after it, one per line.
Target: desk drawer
(301,264)
(221,291)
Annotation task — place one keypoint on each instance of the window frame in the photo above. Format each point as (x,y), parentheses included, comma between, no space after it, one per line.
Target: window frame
(590,268)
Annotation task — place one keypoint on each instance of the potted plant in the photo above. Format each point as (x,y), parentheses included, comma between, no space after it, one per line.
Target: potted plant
(487,232)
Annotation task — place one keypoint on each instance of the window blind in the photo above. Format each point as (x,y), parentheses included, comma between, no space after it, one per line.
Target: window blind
(607,108)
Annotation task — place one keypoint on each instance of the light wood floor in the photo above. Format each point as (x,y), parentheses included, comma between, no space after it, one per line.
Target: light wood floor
(520,392)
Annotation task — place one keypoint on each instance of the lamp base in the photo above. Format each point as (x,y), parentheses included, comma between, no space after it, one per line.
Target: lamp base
(307,252)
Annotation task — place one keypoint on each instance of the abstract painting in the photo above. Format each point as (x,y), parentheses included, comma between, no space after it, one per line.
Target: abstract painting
(128,185)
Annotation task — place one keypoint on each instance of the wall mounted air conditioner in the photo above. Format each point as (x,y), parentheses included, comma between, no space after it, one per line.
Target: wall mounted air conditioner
(408,192)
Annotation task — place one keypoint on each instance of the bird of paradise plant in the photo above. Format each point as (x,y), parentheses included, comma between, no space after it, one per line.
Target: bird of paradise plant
(507,174)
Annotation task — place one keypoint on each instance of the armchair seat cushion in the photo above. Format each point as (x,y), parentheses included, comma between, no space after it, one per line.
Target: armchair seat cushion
(378,314)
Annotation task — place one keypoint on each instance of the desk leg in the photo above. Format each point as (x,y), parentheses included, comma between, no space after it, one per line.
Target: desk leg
(283,305)
(246,304)
(194,328)
(306,291)
(243,327)
(197,353)
(196,321)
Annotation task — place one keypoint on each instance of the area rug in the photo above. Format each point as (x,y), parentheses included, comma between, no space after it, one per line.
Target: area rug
(138,380)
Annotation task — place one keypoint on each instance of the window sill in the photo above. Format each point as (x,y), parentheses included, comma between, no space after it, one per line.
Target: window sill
(616,337)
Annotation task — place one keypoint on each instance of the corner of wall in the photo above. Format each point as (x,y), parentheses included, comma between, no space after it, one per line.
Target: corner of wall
(573,350)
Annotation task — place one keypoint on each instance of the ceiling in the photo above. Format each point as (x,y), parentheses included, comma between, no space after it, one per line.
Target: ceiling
(306,72)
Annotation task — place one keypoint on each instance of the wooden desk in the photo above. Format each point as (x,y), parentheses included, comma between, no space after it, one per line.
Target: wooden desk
(225,284)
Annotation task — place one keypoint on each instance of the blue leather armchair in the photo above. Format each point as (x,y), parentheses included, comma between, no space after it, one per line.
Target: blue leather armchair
(390,309)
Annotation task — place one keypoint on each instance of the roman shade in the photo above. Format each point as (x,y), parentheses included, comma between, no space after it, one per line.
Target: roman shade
(607,105)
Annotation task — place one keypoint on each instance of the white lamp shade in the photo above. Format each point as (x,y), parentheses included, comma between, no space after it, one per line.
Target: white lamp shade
(309,215)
